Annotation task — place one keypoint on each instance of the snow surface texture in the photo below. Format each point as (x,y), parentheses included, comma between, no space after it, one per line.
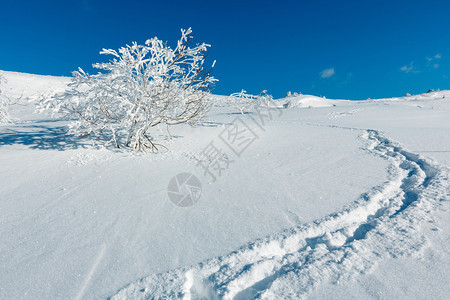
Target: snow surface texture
(324,204)
(381,223)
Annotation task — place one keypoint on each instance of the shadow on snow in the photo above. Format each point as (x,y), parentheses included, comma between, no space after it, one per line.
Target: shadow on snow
(41,137)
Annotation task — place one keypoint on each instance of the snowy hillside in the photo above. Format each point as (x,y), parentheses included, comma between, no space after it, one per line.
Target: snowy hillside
(321,199)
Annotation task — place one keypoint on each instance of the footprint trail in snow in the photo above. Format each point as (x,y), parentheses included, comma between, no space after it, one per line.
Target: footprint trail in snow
(385,222)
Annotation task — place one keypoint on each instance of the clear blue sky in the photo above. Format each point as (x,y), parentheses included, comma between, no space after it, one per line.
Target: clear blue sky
(338,49)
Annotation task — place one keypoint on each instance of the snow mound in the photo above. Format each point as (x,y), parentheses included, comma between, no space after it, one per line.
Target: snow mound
(309,101)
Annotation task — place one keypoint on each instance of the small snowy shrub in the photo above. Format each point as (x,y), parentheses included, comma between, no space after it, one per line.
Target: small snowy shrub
(244,102)
(4,105)
(290,94)
(141,87)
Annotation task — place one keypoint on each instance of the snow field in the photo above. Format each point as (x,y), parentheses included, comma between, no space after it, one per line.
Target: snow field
(332,194)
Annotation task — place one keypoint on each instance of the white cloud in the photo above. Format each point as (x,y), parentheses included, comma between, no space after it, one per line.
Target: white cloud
(434,57)
(327,73)
(407,69)
(432,61)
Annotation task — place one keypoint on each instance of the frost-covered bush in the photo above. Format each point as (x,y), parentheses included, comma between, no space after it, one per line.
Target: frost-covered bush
(141,87)
(245,102)
(4,104)
(290,94)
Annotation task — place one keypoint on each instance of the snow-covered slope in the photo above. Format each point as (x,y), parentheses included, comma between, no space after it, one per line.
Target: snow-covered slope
(30,85)
(310,101)
(332,201)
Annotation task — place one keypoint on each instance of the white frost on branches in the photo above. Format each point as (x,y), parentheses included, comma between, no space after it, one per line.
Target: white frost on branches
(4,105)
(245,102)
(141,87)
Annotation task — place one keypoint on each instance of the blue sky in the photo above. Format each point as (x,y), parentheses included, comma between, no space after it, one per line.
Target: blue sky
(338,49)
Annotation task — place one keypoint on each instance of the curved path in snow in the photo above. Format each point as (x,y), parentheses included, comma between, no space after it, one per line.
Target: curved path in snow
(384,222)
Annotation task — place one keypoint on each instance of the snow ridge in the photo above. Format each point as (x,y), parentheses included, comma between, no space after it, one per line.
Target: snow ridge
(381,223)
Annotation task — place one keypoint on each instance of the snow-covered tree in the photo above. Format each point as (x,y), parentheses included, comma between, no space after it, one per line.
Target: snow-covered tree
(245,102)
(4,104)
(141,87)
